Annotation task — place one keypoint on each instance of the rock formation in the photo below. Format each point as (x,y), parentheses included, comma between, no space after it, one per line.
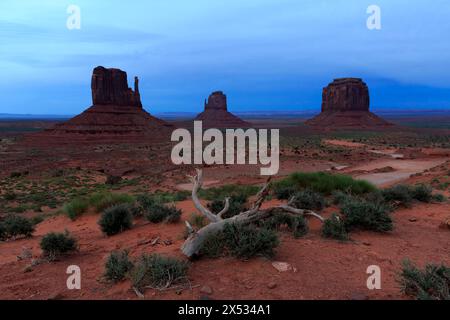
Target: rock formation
(116,111)
(216,113)
(345,103)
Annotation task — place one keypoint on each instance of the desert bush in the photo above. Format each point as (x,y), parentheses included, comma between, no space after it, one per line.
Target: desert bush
(246,241)
(334,228)
(116,219)
(159,272)
(309,200)
(400,193)
(9,196)
(431,283)
(2,232)
(422,193)
(241,241)
(198,220)
(220,193)
(298,225)
(284,192)
(55,244)
(339,197)
(14,225)
(76,208)
(439,197)
(361,214)
(237,205)
(113,180)
(103,200)
(163,213)
(214,245)
(117,266)
(324,183)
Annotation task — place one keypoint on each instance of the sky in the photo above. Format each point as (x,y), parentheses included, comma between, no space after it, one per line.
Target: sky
(264,54)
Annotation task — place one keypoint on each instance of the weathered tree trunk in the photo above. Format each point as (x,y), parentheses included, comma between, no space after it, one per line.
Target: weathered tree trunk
(194,243)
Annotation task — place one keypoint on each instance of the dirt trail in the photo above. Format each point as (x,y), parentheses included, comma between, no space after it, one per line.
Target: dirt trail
(403,169)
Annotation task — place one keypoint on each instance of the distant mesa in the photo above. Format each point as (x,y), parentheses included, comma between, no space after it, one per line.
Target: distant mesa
(345,103)
(116,110)
(216,114)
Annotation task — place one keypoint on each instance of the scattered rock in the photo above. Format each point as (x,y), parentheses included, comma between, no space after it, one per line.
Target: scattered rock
(206,290)
(272,285)
(56,296)
(358,296)
(283,266)
(367,243)
(412,220)
(27,269)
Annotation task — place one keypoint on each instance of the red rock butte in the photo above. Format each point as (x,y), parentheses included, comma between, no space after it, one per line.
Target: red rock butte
(116,112)
(345,104)
(216,114)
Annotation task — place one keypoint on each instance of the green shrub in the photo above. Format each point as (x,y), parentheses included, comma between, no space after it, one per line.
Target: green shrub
(284,192)
(339,197)
(246,241)
(324,183)
(214,245)
(160,212)
(237,205)
(2,232)
(14,225)
(198,220)
(55,244)
(309,200)
(117,266)
(159,272)
(9,196)
(334,228)
(401,193)
(361,214)
(423,193)
(116,219)
(432,283)
(76,208)
(298,225)
(439,197)
(220,193)
(103,200)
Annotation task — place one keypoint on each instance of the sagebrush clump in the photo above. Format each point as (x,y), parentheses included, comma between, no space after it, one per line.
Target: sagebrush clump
(309,200)
(431,283)
(14,226)
(117,266)
(163,213)
(241,241)
(334,228)
(116,219)
(55,244)
(361,214)
(158,272)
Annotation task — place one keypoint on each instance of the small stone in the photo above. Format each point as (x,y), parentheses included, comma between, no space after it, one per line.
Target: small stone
(271,285)
(412,220)
(27,269)
(358,296)
(282,266)
(367,243)
(206,290)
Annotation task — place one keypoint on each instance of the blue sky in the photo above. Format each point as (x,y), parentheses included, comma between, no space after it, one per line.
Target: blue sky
(265,54)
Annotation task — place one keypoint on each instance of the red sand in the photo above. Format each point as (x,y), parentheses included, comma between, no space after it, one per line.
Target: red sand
(326,269)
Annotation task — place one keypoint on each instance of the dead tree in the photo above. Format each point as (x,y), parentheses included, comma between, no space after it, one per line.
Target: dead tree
(196,239)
